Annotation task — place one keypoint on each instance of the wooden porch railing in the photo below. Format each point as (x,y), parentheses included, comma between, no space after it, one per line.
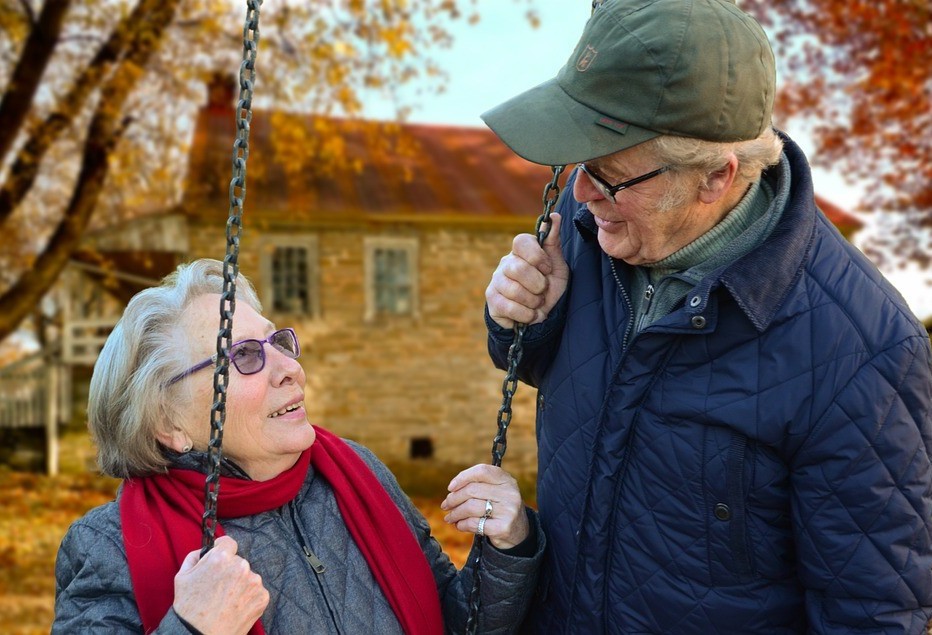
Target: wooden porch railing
(35,393)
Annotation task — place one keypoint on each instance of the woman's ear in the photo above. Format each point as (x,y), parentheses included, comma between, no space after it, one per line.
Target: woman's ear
(175,439)
(720,181)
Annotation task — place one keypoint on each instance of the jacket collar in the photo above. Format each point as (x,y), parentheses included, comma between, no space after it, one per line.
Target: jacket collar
(761,280)
(757,285)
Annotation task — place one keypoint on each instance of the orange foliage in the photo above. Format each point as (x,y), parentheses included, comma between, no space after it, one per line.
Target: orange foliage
(109,63)
(861,72)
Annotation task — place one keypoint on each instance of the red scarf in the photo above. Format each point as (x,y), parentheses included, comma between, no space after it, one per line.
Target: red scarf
(161,519)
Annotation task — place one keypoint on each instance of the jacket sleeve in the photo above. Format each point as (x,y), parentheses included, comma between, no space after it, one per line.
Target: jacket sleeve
(508,582)
(862,499)
(93,591)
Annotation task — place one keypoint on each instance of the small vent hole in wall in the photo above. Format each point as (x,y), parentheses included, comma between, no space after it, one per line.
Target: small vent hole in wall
(422,448)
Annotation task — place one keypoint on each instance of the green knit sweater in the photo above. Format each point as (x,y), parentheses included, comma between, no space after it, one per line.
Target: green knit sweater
(657,288)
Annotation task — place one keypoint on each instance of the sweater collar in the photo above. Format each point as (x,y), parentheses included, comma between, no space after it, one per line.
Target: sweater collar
(757,285)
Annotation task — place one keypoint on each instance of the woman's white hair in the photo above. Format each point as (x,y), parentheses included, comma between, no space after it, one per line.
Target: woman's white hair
(128,402)
(696,160)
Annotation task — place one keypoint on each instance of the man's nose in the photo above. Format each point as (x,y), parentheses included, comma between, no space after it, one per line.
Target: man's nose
(584,190)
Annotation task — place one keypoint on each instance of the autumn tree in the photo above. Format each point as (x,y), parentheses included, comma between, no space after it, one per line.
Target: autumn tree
(860,73)
(96,94)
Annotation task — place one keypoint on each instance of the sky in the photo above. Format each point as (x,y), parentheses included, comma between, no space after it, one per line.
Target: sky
(503,55)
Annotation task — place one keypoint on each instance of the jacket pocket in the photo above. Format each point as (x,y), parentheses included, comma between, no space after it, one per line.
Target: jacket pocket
(730,554)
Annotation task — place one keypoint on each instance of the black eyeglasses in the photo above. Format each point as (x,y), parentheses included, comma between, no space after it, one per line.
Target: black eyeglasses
(608,190)
(248,356)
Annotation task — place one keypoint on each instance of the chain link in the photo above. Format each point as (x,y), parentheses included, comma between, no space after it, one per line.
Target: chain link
(509,386)
(247,77)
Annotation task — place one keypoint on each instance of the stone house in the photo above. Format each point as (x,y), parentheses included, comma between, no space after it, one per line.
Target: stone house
(379,263)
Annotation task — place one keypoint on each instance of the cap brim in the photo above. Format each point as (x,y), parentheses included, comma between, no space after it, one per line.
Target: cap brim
(545,125)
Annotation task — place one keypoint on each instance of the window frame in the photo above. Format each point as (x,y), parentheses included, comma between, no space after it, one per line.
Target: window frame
(268,243)
(410,246)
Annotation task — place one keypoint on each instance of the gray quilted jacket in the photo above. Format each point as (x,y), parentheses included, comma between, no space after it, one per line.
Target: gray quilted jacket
(94,593)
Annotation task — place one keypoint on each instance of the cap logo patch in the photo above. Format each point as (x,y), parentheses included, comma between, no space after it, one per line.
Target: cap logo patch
(586,58)
(613,124)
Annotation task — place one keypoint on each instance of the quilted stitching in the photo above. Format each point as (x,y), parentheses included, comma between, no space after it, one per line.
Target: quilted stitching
(94,592)
(833,406)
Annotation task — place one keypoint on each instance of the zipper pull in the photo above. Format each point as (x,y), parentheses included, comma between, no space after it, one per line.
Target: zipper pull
(648,294)
(316,564)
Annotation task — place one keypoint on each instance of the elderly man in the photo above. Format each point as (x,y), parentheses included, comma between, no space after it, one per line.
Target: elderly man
(734,406)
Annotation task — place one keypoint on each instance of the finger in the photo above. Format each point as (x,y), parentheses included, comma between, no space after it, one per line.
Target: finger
(479,492)
(480,473)
(553,238)
(526,248)
(528,267)
(476,508)
(492,527)
(226,544)
(506,312)
(189,561)
(529,295)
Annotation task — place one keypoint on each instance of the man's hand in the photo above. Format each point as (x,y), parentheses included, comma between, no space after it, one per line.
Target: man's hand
(529,281)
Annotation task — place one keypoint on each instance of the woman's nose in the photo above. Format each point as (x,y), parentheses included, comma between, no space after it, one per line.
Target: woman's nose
(285,369)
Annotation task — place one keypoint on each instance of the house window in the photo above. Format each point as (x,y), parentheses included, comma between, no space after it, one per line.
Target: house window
(391,276)
(289,268)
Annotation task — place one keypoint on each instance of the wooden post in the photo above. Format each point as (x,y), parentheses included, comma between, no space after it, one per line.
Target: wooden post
(51,418)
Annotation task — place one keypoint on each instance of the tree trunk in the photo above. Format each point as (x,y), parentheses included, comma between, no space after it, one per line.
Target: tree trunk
(16,101)
(104,132)
(24,171)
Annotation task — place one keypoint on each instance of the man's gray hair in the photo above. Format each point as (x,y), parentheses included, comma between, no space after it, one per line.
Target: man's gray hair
(128,402)
(697,160)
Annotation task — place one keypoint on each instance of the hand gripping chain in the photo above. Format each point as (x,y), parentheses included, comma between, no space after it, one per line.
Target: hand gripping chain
(509,386)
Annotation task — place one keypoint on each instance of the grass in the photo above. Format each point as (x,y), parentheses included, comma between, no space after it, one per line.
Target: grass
(36,511)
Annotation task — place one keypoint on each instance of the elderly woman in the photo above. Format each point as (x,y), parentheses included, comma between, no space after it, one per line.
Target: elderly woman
(314,533)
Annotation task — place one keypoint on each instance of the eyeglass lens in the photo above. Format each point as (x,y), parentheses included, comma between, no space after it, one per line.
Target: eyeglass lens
(249,355)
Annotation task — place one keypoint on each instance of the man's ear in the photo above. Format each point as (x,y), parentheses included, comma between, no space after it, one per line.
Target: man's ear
(720,181)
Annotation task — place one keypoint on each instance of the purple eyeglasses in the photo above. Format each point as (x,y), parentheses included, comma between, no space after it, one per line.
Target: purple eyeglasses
(248,356)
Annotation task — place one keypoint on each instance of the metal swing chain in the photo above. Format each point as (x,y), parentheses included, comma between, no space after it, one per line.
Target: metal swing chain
(509,386)
(247,77)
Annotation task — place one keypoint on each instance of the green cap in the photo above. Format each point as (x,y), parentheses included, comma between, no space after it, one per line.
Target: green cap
(690,68)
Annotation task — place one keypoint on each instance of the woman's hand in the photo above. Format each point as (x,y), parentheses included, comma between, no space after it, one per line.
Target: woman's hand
(219,593)
(471,490)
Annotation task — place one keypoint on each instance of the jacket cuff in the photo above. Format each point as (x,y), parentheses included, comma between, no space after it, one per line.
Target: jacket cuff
(534,332)
(531,551)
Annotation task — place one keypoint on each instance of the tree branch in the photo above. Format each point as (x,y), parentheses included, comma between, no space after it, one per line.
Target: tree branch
(24,170)
(28,10)
(38,49)
(104,133)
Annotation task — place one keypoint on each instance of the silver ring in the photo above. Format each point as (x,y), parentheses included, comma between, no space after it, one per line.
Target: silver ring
(488,509)
(481,531)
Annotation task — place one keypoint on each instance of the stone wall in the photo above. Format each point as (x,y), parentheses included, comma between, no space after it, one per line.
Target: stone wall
(391,380)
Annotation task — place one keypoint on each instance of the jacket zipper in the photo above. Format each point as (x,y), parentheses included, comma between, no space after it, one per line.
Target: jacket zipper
(621,361)
(624,294)
(315,563)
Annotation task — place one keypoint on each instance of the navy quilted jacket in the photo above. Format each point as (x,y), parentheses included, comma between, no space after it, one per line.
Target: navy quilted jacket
(757,461)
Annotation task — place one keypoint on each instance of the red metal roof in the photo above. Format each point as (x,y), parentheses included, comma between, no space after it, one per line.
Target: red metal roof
(389,171)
